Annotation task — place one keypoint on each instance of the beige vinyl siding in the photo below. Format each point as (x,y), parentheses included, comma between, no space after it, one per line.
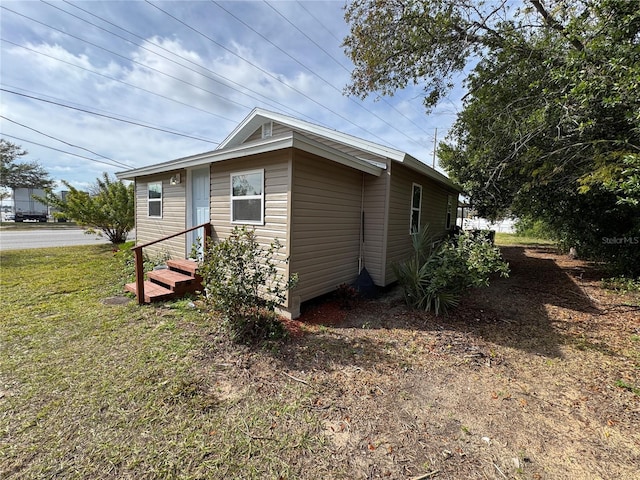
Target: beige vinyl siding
(276,197)
(433,213)
(173,216)
(325,224)
(375,200)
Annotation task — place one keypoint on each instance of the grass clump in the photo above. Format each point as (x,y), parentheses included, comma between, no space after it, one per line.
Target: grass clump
(622,284)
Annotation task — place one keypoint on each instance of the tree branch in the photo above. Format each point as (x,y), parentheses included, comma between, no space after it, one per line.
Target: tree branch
(555,25)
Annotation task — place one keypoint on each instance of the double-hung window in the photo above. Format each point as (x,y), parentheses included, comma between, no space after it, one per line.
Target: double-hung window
(154,199)
(247,197)
(416,204)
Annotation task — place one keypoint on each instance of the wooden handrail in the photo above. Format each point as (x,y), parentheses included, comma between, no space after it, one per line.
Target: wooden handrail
(139,262)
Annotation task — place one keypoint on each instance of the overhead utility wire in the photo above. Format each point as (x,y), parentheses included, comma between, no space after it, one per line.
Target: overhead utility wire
(266,72)
(132,86)
(301,5)
(341,65)
(80,105)
(67,143)
(226,99)
(224,80)
(57,149)
(102,115)
(327,82)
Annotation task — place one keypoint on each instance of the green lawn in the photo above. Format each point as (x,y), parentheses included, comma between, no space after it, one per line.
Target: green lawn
(91,390)
(508,239)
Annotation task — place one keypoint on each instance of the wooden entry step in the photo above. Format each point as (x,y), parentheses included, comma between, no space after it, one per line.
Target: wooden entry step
(178,279)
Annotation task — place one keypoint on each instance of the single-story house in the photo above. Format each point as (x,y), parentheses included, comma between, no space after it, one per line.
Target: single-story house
(336,202)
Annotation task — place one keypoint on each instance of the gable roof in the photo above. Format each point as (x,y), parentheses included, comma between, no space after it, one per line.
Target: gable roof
(304,136)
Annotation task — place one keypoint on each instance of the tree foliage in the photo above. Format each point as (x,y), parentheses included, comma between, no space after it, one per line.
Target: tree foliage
(14,174)
(550,127)
(109,208)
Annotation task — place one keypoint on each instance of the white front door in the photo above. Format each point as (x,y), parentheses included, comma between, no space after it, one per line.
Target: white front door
(198,204)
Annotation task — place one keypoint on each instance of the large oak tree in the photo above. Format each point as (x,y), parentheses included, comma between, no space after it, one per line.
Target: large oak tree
(550,126)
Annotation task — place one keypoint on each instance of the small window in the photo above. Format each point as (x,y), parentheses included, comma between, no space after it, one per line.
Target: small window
(247,197)
(154,199)
(416,203)
(267,130)
(449,205)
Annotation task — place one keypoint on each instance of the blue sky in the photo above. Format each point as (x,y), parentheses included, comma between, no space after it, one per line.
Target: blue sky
(191,71)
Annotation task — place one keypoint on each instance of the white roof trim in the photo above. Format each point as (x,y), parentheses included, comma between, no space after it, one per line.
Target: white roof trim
(258,116)
(418,166)
(294,140)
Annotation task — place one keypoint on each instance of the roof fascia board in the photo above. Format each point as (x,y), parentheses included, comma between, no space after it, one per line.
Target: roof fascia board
(418,166)
(276,143)
(209,157)
(265,115)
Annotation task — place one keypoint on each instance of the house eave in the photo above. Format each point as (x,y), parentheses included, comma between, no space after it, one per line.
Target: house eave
(420,167)
(293,140)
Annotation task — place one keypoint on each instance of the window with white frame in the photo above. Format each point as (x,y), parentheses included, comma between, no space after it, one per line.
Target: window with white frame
(247,197)
(154,199)
(449,208)
(416,204)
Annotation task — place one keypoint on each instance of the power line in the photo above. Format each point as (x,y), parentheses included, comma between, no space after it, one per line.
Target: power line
(343,67)
(75,104)
(266,72)
(224,80)
(314,73)
(182,58)
(57,149)
(66,143)
(127,84)
(222,97)
(103,115)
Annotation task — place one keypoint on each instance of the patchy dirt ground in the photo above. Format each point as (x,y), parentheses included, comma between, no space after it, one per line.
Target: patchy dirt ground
(535,377)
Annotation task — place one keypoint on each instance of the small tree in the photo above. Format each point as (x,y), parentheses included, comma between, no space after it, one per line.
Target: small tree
(15,174)
(242,282)
(108,209)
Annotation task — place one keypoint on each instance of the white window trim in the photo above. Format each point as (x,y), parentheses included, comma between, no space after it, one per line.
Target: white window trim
(448,215)
(414,209)
(155,200)
(246,197)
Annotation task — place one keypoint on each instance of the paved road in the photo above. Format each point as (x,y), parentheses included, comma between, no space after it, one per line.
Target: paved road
(43,237)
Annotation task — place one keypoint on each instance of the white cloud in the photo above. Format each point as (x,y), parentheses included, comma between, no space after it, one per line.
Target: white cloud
(207,105)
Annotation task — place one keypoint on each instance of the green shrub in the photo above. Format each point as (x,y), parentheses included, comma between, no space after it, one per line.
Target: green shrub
(242,282)
(528,227)
(437,273)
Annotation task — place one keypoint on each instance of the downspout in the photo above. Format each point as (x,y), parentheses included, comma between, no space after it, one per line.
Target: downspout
(361,252)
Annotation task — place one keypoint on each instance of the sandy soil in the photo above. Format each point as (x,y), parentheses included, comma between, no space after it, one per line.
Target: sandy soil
(536,376)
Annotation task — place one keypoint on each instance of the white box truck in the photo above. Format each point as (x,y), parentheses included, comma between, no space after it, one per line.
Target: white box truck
(28,208)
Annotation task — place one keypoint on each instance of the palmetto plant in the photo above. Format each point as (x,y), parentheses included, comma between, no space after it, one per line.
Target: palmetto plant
(437,273)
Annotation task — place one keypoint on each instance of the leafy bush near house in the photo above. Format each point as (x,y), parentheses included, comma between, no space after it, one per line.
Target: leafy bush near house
(437,273)
(242,282)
